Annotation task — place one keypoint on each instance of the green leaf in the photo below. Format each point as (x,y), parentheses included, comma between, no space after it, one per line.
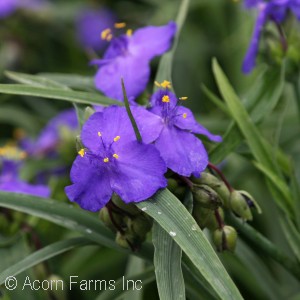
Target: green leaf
(167,263)
(42,255)
(263,96)
(164,71)
(292,235)
(129,113)
(58,94)
(73,81)
(134,266)
(171,215)
(257,144)
(278,183)
(34,80)
(120,288)
(68,216)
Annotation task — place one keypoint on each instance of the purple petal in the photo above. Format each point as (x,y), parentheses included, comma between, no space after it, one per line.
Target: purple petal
(182,151)
(185,120)
(91,184)
(112,122)
(18,186)
(139,173)
(50,135)
(7,7)
(89,25)
(249,60)
(133,70)
(151,41)
(252,3)
(295,7)
(150,125)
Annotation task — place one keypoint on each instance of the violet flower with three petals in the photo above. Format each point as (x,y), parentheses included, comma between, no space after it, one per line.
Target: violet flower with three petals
(128,57)
(114,162)
(182,151)
(9,176)
(274,10)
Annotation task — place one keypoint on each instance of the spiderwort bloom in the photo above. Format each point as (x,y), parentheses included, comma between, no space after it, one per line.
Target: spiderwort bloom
(49,137)
(182,151)
(11,160)
(113,161)
(274,10)
(128,57)
(89,25)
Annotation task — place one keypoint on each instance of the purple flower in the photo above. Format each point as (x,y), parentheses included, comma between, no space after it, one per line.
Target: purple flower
(113,161)
(89,25)
(49,137)
(274,10)
(128,56)
(9,176)
(7,7)
(182,151)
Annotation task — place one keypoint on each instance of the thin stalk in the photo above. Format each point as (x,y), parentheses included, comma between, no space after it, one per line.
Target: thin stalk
(266,246)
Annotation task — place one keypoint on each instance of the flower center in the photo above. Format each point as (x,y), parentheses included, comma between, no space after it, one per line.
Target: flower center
(106,154)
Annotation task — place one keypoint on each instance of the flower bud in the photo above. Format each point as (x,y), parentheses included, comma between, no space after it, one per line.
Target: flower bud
(88,112)
(172,184)
(140,226)
(212,222)
(217,185)
(127,208)
(201,215)
(239,206)
(206,197)
(127,240)
(105,217)
(225,238)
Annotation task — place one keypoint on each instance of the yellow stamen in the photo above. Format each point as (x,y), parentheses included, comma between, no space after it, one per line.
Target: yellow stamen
(183,98)
(81,152)
(105,33)
(99,133)
(157,83)
(166,84)
(116,156)
(129,32)
(106,159)
(120,25)
(12,152)
(184,115)
(117,138)
(165,99)
(109,37)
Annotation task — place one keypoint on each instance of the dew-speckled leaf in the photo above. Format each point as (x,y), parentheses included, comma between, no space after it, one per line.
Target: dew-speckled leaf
(171,215)
(167,263)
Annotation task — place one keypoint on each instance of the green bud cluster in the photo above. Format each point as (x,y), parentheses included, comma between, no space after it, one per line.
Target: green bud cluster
(211,196)
(129,223)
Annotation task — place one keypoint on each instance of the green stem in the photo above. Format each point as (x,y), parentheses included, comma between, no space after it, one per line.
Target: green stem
(296,87)
(266,246)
